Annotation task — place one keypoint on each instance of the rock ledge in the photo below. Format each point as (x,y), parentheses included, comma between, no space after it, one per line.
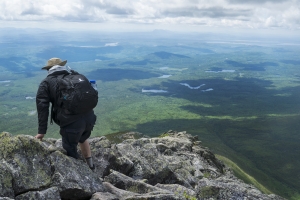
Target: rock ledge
(173,166)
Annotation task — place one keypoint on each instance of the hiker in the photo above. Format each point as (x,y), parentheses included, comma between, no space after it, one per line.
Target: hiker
(75,127)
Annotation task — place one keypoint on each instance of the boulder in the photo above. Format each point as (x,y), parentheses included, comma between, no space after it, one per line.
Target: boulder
(178,190)
(50,193)
(104,196)
(31,169)
(223,187)
(172,166)
(6,183)
(167,160)
(27,160)
(121,194)
(124,182)
(73,178)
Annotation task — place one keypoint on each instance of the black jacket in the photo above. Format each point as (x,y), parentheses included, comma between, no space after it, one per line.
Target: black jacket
(46,94)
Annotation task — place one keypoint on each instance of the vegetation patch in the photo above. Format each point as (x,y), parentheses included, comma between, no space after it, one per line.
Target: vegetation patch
(243,175)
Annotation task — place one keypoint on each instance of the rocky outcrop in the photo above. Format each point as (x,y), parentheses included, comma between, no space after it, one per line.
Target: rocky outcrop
(173,166)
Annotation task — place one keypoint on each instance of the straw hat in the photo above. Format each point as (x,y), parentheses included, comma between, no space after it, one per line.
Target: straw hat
(54,61)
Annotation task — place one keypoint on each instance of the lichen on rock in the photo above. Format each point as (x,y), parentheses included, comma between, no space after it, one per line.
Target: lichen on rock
(27,160)
(6,185)
(174,166)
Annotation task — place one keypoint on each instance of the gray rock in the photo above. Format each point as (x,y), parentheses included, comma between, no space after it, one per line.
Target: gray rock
(104,196)
(167,160)
(27,162)
(51,193)
(27,166)
(106,157)
(147,160)
(6,186)
(73,178)
(173,166)
(224,188)
(131,135)
(121,181)
(179,190)
(128,195)
(120,193)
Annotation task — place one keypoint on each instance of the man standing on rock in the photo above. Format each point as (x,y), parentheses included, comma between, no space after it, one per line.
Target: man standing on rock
(74,127)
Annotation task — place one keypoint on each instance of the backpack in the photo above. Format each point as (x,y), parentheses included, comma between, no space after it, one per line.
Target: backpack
(75,94)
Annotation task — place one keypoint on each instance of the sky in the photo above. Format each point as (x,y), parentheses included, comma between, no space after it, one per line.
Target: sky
(144,15)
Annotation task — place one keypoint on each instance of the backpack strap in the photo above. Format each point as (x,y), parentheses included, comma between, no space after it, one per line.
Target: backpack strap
(52,114)
(61,76)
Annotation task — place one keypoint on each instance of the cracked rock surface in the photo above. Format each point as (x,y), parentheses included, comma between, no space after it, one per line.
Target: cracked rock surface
(173,166)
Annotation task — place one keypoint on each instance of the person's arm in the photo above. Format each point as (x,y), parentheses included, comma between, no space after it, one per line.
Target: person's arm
(42,105)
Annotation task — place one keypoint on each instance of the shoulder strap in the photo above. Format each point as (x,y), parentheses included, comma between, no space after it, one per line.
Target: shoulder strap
(61,76)
(52,114)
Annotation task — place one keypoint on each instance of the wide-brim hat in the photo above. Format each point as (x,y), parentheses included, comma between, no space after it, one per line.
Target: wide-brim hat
(54,61)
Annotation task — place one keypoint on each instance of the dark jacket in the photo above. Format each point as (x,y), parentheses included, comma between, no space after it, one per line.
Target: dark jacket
(46,94)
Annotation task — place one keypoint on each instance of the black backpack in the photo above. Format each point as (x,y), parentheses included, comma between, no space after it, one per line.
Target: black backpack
(75,93)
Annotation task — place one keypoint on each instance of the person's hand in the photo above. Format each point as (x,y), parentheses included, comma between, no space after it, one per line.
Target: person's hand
(39,136)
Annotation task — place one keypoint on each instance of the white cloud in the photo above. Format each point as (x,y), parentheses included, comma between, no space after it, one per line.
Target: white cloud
(291,17)
(111,44)
(284,14)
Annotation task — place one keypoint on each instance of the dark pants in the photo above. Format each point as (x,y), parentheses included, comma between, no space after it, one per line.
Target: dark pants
(77,132)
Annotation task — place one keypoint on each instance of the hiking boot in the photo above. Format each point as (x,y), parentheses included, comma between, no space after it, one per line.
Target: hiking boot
(93,168)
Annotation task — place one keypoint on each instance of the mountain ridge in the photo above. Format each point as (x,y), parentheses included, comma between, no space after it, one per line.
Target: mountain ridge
(172,166)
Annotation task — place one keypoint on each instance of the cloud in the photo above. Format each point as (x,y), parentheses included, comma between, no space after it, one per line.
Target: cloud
(111,44)
(255,1)
(119,11)
(284,14)
(109,7)
(31,11)
(211,12)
